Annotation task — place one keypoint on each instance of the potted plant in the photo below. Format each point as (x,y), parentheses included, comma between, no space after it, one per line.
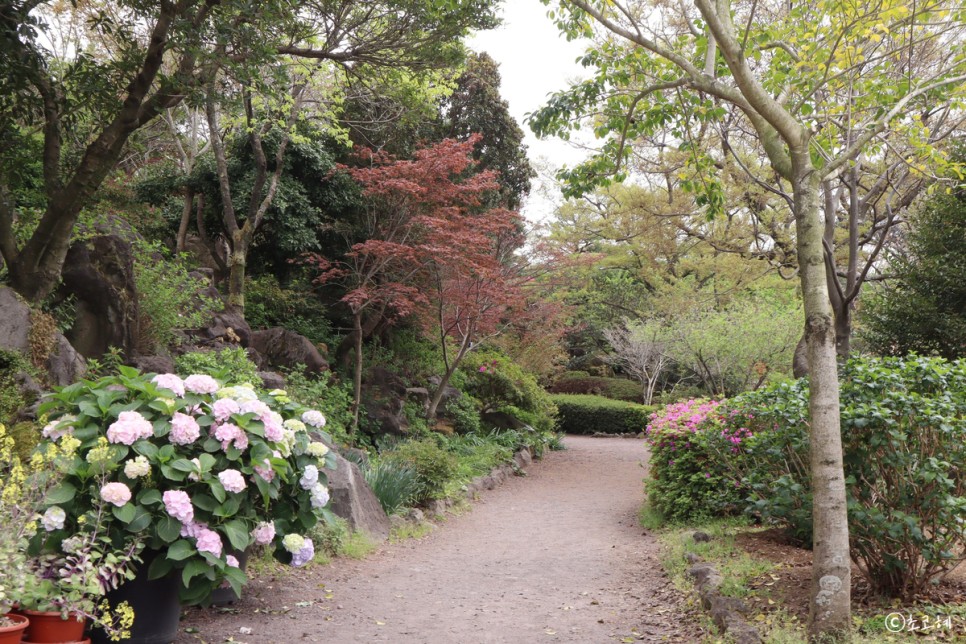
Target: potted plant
(193,469)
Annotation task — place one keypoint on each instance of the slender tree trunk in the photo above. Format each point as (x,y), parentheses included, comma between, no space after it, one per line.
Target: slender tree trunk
(357,374)
(830,596)
(189,200)
(438,394)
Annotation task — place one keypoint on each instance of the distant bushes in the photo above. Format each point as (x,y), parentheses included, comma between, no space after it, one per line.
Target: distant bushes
(583,414)
(579,382)
(230,365)
(501,385)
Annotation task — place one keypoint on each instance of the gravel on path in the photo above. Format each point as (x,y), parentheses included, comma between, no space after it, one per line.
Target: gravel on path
(555,556)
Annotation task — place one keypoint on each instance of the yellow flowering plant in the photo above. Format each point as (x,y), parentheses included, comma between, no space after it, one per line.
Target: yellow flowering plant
(73,579)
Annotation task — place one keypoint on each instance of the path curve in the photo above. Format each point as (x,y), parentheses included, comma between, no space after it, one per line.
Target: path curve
(556,556)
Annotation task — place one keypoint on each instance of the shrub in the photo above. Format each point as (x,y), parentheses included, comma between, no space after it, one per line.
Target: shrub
(231,366)
(334,400)
(269,304)
(394,483)
(464,412)
(12,397)
(502,385)
(582,414)
(904,443)
(433,465)
(616,388)
(168,297)
(686,478)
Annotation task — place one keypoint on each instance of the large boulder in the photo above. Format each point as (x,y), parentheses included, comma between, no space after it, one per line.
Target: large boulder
(282,348)
(352,499)
(384,399)
(14,322)
(21,332)
(99,274)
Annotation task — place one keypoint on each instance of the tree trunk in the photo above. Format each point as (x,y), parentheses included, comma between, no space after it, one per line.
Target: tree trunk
(438,394)
(830,596)
(800,358)
(189,200)
(843,331)
(236,268)
(357,374)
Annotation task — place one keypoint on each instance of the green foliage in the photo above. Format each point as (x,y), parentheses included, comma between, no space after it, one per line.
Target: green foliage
(333,399)
(923,307)
(904,440)
(168,297)
(411,356)
(230,365)
(268,304)
(434,466)
(12,399)
(394,483)
(502,385)
(686,478)
(585,414)
(615,388)
(464,411)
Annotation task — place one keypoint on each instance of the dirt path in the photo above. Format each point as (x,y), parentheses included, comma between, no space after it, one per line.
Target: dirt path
(556,556)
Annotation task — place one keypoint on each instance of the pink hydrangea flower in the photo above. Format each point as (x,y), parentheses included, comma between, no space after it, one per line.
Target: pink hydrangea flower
(184,429)
(264,533)
(265,471)
(53,432)
(129,428)
(273,430)
(193,529)
(209,541)
(232,480)
(116,493)
(224,408)
(178,504)
(231,560)
(230,434)
(171,382)
(201,384)
(256,407)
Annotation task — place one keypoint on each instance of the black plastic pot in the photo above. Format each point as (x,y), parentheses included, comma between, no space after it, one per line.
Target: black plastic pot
(157,610)
(225,596)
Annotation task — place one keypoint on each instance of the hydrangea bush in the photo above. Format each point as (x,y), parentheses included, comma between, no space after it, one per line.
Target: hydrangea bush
(196,470)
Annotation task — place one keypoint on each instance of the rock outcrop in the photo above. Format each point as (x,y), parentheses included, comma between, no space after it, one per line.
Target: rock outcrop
(282,348)
(353,500)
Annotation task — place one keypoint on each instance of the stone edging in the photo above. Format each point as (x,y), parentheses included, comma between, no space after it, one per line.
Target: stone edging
(726,612)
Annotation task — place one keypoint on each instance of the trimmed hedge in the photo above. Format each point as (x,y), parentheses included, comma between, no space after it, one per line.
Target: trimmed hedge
(583,414)
(615,388)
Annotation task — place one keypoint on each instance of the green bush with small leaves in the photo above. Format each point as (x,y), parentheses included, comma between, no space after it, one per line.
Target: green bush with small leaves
(464,411)
(501,385)
(168,297)
(904,445)
(434,466)
(585,414)
(229,365)
(616,388)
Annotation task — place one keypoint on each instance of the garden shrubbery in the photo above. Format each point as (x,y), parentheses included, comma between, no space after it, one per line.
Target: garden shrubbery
(501,385)
(904,445)
(584,414)
(582,383)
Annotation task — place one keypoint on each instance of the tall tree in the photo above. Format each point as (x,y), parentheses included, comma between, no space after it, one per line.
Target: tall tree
(784,72)
(150,56)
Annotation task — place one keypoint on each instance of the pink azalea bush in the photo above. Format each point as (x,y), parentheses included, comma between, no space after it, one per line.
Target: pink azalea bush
(193,469)
(687,477)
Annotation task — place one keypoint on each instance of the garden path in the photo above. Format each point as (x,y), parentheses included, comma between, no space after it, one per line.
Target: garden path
(556,556)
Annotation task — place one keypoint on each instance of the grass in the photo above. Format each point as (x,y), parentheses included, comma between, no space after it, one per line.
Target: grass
(777,626)
(409,530)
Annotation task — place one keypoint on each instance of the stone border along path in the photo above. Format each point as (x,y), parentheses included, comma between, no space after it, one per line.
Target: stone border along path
(556,556)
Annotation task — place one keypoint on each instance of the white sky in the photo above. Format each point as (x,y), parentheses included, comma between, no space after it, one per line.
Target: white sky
(535,61)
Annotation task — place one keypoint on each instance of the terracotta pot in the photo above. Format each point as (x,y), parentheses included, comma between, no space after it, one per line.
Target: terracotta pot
(51,628)
(13,634)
